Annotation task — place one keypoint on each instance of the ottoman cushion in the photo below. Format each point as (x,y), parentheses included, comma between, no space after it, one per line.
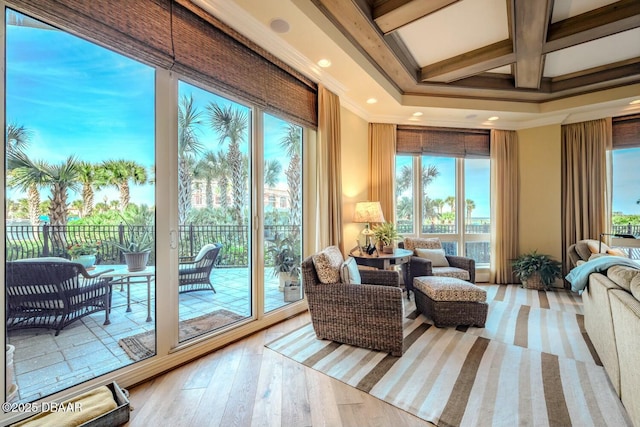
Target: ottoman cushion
(449,289)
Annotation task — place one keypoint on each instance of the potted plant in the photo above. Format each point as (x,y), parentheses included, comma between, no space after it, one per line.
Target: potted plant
(84,252)
(386,234)
(136,246)
(286,260)
(537,271)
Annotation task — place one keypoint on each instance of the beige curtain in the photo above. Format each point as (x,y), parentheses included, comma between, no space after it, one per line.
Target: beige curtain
(586,197)
(504,205)
(329,183)
(382,155)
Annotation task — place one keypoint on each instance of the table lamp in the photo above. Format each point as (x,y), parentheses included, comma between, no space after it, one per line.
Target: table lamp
(367,213)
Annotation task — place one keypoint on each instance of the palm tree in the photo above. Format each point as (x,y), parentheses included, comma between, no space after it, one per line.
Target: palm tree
(231,124)
(61,178)
(291,142)
(470,205)
(451,201)
(87,176)
(204,170)
(29,177)
(118,173)
(189,146)
(18,138)
(429,173)
(404,179)
(439,204)
(272,169)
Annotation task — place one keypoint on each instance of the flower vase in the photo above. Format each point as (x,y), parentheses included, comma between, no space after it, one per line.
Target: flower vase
(86,260)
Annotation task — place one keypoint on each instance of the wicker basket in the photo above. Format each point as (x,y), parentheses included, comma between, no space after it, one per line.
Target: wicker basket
(534,282)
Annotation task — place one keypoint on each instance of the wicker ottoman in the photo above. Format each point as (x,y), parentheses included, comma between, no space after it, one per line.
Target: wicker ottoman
(450,302)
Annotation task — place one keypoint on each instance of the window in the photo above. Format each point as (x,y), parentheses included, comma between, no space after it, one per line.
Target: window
(626,194)
(625,176)
(70,101)
(444,175)
(81,147)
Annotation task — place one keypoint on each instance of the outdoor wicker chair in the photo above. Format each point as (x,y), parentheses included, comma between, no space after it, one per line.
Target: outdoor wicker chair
(52,293)
(194,274)
(364,315)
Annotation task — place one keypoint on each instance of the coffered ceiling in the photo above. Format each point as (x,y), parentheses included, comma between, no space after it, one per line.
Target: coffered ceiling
(457,62)
(518,50)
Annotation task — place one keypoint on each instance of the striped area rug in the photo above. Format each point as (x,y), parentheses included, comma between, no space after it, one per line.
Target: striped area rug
(532,365)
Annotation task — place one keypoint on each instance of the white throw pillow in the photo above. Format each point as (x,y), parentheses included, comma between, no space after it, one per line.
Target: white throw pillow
(349,272)
(436,256)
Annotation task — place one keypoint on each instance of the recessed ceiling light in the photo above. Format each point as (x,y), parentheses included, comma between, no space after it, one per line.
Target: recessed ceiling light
(493,118)
(371,101)
(417,114)
(471,116)
(279,25)
(635,101)
(324,63)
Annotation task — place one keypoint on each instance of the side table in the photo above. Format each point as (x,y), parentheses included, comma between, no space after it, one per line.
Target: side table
(383,261)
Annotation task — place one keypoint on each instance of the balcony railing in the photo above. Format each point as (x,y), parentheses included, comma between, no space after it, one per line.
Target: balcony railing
(26,241)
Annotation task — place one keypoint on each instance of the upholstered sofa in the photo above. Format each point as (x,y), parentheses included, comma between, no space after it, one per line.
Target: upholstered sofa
(612,321)
(584,250)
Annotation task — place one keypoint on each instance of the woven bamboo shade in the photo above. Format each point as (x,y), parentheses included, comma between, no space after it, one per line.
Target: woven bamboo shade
(626,131)
(449,142)
(182,37)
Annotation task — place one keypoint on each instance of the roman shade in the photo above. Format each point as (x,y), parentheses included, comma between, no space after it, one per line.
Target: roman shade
(626,131)
(179,36)
(446,142)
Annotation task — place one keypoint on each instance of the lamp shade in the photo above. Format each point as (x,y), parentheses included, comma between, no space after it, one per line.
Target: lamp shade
(368,212)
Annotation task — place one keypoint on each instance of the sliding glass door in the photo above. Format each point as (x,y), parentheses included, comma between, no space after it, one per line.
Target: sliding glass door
(214,280)
(80,161)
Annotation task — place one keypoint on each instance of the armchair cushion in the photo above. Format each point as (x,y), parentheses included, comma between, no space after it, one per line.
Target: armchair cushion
(327,264)
(349,272)
(411,243)
(436,256)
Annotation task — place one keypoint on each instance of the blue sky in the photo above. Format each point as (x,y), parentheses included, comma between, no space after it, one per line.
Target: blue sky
(77,98)
(476,181)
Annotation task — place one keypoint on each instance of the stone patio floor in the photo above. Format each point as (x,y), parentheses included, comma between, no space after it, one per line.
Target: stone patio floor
(44,363)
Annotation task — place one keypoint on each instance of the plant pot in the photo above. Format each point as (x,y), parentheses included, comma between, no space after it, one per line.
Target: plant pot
(292,291)
(388,249)
(86,260)
(534,282)
(136,261)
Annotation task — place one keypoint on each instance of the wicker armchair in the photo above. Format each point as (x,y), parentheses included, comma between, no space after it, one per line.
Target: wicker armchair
(367,315)
(422,267)
(194,274)
(53,293)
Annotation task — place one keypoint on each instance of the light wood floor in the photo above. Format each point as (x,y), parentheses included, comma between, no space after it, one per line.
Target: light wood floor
(246,384)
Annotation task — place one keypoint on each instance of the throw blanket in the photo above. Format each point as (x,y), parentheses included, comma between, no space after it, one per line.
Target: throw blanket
(579,276)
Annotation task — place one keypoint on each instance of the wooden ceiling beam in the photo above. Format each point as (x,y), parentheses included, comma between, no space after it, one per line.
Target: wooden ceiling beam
(470,63)
(602,22)
(627,70)
(531,19)
(394,14)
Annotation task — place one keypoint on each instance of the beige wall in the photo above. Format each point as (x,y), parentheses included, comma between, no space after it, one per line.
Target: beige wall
(540,187)
(354,136)
(539,151)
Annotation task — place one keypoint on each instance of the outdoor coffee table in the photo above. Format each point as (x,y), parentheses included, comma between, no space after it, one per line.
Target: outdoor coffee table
(122,276)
